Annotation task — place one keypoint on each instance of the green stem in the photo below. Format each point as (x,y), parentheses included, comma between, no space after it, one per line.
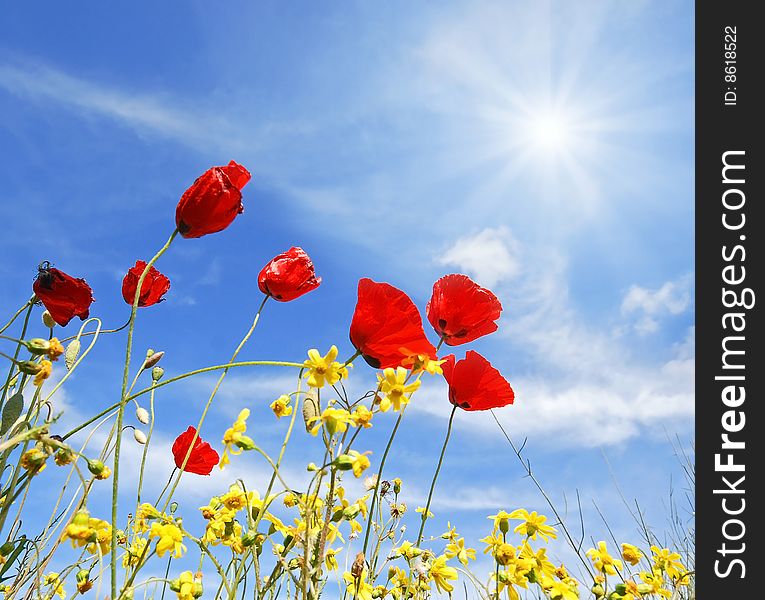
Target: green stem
(121,411)
(210,400)
(435,476)
(249,363)
(28,304)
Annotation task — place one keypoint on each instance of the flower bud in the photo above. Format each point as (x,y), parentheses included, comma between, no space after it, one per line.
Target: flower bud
(63,457)
(245,443)
(349,512)
(37,346)
(173,507)
(99,469)
(312,467)
(152,359)
(83,581)
(71,354)
(142,415)
(598,590)
(620,589)
(344,462)
(47,320)
(29,367)
(157,373)
(139,436)
(644,588)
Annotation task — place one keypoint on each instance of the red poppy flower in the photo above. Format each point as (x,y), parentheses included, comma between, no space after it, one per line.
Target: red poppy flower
(387,327)
(154,286)
(212,202)
(474,384)
(63,296)
(461,311)
(288,276)
(203,458)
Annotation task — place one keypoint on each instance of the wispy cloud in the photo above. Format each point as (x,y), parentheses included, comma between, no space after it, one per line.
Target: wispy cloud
(145,113)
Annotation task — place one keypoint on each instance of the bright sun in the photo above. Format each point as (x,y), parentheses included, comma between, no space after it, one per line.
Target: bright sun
(549,132)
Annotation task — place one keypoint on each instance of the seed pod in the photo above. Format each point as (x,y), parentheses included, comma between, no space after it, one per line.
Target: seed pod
(72,352)
(357,568)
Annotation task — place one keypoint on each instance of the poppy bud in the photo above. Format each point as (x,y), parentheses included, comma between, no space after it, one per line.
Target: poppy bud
(157,373)
(153,359)
(310,411)
(288,276)
(142,415)
(212,202)
(139,436)
(72,351)
(48,320)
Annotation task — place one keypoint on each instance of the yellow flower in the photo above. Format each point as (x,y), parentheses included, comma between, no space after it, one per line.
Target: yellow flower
(504,554)
(362,417)
(281,406)
(560,590)
(539,559)
(360,462)
(57,586)
(667,561)
(532,525)
(457,548)
(134,553)
(169,537)
(603,561)
(336,420)
(324,369)
(233,435)
(330,560)
(441,573)
(395,389)
(408,550)
(55,349)
(357,587)
(33,461)
(501,521)
(423,363)
(188,586)
(492,543)
(656,583)
(631,554)
(421,510)
(46,367)
(290,500)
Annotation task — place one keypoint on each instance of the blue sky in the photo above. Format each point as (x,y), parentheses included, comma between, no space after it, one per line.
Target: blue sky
(543,148)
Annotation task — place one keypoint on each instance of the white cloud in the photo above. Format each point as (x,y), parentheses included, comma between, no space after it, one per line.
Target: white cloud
(587,388)
(488,256)
(672,298)
(145,113)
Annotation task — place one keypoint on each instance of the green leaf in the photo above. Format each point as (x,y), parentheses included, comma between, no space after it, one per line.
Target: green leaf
(11,411)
